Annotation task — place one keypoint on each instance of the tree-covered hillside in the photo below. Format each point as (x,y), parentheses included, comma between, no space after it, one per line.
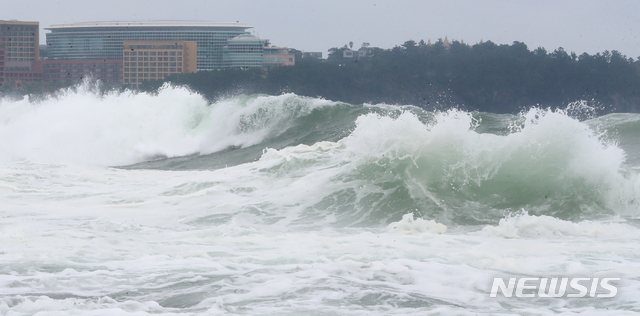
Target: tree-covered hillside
(486,77)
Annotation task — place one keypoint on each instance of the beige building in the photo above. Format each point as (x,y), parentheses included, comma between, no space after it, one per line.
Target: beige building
(278,56)
(21,40)
(155,60)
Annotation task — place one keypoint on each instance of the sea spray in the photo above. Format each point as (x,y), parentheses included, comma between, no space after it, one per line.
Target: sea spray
(119,128)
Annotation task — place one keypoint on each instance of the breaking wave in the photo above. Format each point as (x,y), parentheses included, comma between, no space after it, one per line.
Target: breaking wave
(361,164)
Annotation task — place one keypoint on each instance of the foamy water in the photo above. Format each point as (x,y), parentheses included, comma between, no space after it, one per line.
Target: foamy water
(346,210)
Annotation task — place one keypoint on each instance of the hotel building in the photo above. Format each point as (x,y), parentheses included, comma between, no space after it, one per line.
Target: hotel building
(21,40)
(109,71)
(154,60)
(105,40)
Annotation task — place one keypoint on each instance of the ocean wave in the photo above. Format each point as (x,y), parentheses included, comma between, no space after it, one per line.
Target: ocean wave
(118,128)
(549,164)
(364,165)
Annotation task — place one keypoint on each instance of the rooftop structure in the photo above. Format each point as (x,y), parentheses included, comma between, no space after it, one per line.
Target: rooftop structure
(104,40)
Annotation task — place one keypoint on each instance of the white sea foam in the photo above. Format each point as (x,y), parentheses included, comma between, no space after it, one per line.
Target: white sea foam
(525,225)
(409,225)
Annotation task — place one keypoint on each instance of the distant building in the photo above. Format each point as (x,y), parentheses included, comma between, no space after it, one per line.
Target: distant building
(316,55)
(109,71)
(347,53)
(104,40)
(43,52)
(21,40)
(446,43)
(18,72)
(129,52)
(243,51)
(278,56)
(364,52)
(1,62)
(356,54)
(154,60)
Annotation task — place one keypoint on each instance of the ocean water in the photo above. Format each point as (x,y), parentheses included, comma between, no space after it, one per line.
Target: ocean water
(138,204)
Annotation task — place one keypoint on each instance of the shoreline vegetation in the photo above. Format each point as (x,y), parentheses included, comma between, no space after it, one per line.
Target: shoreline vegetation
(485,77)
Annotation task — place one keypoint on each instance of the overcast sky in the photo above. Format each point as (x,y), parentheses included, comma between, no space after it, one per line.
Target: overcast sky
(579,26)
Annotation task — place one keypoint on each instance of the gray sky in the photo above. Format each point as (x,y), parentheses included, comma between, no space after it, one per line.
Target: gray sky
(580,26)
